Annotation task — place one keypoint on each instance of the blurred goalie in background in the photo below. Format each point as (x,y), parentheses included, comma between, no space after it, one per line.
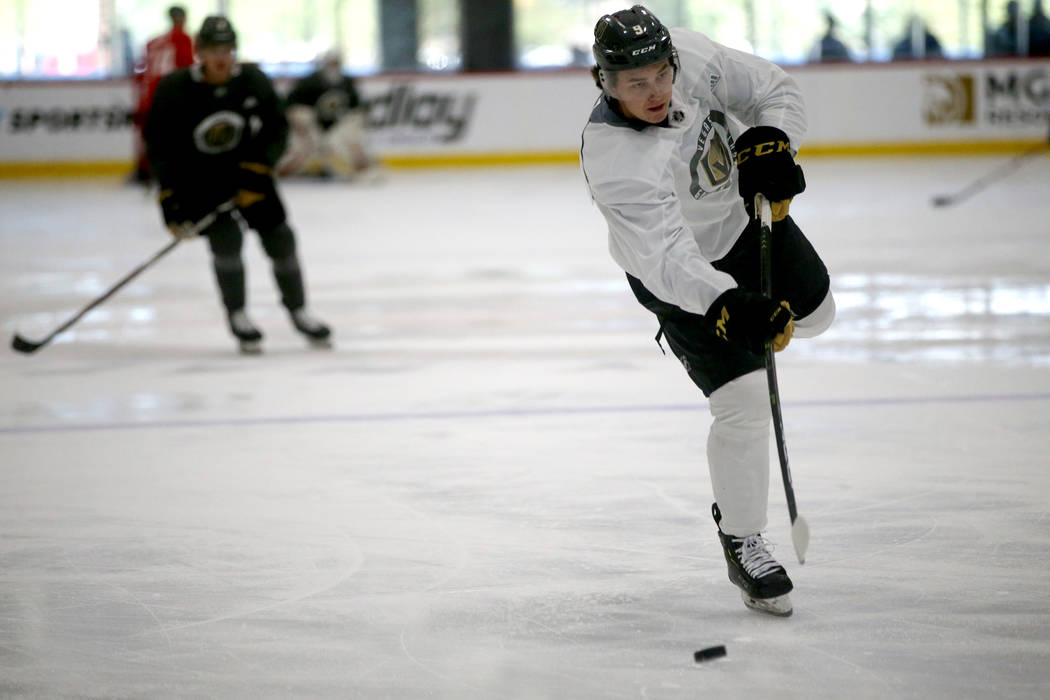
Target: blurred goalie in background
(327,123)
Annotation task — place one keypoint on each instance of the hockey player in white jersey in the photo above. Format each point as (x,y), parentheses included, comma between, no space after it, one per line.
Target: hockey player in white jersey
(684,134)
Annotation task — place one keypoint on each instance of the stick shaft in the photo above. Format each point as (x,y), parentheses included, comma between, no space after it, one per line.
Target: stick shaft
(989,178)
(766,277)
(22,345)
(113,289)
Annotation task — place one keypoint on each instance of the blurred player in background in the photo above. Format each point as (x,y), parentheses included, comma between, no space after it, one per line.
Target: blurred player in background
(165,53)
(213,135)
(685,133)
(327,126)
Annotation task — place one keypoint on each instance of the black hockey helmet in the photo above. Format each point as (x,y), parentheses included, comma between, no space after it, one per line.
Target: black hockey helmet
(216,30)
(631,39)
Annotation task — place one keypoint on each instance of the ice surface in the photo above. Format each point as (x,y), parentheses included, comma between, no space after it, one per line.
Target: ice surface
(494,486)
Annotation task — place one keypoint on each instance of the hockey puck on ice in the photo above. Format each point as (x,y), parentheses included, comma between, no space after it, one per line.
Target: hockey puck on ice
(709,653)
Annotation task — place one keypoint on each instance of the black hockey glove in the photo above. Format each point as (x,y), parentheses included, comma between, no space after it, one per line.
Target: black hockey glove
(750,319)
(254,182)
(763,157)
(177,216)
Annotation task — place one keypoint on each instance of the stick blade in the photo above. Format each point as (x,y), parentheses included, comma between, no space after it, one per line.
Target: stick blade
(20,344)
(942,200)
(800,538)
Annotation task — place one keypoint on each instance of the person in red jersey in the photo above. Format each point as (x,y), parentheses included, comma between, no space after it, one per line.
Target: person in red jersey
(164,54)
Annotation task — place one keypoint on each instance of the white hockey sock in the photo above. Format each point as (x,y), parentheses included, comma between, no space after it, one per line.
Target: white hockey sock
(738,453)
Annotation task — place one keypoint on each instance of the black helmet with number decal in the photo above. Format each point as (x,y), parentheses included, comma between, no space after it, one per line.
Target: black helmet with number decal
(631,39)
(216,30)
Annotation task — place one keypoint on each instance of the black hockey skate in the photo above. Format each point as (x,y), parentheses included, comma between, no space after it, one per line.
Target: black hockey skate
(763,583)
(248,336)
(316,332)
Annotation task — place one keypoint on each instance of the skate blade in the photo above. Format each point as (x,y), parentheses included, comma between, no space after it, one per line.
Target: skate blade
(251,347)
(779,605)
(320,343)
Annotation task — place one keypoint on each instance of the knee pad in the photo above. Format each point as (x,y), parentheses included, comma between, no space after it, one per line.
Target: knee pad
(225,237)
(818,321)
(278,242)
(227,263)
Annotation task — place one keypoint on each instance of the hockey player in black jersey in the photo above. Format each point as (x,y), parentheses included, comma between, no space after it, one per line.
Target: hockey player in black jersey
(213,135)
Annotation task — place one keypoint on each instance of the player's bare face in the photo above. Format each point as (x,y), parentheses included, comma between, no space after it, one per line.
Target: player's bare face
(217,63)
(645,93)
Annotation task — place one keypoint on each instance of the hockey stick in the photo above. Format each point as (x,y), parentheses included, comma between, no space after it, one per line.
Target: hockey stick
(20,344)
(799,526)
(947,200)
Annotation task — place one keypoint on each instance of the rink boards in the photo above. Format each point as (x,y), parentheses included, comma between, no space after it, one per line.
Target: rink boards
(489,118)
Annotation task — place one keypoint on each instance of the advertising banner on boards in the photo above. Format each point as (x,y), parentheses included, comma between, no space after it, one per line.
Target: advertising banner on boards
(880,107)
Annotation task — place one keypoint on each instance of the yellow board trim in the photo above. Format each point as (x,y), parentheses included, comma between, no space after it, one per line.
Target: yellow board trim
(918,148)
(65,169)
(15,170)
(474,160)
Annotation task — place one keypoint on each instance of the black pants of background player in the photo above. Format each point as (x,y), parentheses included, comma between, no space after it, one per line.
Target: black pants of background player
(799,277)
(264,213)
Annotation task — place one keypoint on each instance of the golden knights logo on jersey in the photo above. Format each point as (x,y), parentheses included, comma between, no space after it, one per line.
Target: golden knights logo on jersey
(712,164)
(332,105)
(219,132)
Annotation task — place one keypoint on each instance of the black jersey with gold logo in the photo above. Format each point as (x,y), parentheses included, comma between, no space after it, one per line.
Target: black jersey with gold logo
(199,133)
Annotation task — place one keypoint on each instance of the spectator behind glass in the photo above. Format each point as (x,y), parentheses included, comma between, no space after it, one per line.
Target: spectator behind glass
(830,48)
(1003,42)
(1038,31)
(917,42)
(165,53)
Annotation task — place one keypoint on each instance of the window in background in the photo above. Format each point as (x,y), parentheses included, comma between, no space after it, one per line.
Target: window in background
(105,38)
(138,21)
(553,33)
(287,38)
(439,45)
(357,34)
(10,38)
(44,47)
(550,34)
(284,39)
(727,23)
(800,32)
(1020,31)
(925,29)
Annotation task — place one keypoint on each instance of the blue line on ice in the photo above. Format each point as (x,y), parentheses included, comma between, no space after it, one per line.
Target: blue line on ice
(481,414)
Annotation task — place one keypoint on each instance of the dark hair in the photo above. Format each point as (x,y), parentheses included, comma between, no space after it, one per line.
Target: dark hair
(177,13)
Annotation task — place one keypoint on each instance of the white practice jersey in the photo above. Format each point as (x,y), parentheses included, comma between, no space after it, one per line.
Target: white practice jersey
(669,192)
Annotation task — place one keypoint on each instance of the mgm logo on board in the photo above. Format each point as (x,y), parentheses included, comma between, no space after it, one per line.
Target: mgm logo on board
(1017,96)
(1012,97)
(948,99)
